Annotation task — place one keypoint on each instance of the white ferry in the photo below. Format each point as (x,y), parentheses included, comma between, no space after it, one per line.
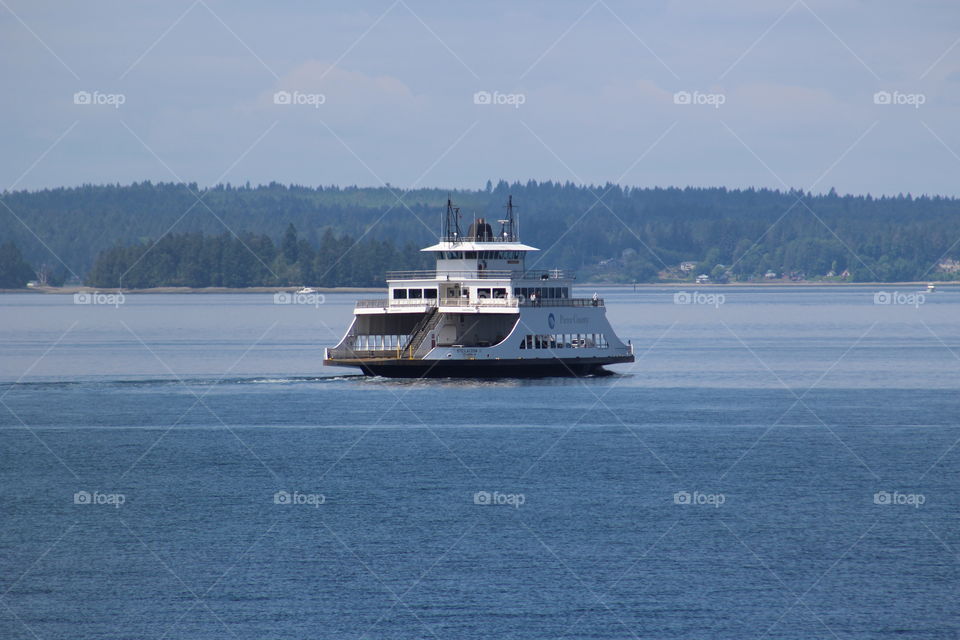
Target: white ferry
(480,313)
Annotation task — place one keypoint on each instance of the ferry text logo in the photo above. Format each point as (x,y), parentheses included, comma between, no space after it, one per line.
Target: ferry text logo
(86,497)
(312,499)
(552,321)
(485,498)
(698,498)
(895,497)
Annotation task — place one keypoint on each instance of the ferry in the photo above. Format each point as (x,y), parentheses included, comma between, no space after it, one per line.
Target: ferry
(480,314)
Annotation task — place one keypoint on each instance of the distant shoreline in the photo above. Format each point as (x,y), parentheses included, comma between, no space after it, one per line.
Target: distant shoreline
(597,285)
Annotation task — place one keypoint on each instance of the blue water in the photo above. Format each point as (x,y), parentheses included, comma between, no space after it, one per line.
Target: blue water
(788,414)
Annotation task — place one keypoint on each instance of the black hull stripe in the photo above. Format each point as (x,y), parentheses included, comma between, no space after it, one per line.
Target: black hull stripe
(481,368)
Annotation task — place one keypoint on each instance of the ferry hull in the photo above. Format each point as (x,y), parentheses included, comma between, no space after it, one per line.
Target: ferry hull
(539,368)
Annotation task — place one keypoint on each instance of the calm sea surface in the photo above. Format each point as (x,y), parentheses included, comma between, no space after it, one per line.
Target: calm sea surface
(779,463)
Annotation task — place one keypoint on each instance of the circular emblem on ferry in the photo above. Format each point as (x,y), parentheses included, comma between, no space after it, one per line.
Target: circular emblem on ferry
(552,321)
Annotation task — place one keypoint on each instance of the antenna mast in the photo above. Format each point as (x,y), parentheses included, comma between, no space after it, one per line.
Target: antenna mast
(509,229)
(451,223)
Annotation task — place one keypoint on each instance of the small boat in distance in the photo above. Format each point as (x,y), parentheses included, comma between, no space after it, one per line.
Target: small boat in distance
(480,314)
(931,287)
(305,291)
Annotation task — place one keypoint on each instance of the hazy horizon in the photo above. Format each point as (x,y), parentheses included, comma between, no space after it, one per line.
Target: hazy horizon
(429,187)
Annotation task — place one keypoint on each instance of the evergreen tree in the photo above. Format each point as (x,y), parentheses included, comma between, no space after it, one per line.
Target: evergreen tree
(15,273)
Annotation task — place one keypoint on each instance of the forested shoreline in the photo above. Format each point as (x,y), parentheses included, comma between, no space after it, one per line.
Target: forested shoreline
(154,235)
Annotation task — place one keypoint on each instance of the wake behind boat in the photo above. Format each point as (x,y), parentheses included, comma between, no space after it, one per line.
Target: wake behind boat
(480,313)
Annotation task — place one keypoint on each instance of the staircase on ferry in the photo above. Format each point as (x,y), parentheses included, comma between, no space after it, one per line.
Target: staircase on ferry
(421,331)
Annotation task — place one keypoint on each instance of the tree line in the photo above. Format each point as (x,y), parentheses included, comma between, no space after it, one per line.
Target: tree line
(249,260)
(604,232)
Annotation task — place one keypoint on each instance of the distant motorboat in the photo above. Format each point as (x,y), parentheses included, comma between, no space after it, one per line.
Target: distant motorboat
(931,288)
(306,290)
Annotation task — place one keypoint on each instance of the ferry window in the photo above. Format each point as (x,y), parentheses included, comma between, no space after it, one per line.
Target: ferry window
(430,293)
(471,255)
(516,292)
(523,343)
(529,341)
(499,293)
(483,293)
(416,293)
(536,342)
(565,292)
(455,255)
(399,294)
(558,340)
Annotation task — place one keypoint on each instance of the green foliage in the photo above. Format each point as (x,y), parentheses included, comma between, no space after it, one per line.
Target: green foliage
(248,260)
(629,236)
(15,273)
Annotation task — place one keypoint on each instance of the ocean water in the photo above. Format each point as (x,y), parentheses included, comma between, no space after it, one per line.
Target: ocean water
(780,462)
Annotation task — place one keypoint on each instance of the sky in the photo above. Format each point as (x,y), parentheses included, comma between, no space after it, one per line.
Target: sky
(862,97)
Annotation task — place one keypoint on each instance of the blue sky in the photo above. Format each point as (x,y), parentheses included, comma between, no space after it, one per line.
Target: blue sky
(811,94)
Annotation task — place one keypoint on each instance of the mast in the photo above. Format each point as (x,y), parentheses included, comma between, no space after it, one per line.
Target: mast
(451,223)
(509,229)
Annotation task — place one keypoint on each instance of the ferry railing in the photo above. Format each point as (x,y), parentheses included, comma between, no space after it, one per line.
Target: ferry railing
(383,303)
(482,302)
(563,302)
(372,303)
(350,353)
(481,274)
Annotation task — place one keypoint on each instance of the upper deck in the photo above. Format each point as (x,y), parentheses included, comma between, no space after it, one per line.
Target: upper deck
(506,304)
(481,274)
